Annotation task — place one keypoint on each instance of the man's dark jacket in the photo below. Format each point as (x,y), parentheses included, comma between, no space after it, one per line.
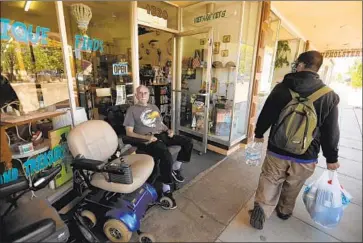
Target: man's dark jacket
(327,135)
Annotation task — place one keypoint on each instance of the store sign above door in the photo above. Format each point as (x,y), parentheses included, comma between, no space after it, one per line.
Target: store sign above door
(22,32)
(210,16)
(342,53)
(120,68)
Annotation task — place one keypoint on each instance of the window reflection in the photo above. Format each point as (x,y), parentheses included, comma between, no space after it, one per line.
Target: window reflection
(99,34)
(31,56)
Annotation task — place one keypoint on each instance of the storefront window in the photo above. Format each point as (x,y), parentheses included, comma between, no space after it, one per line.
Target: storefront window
(99,36)
(271,37)
(33,87)
(287,52)
(32,69)
(225,19)
(158,14)
(245,67)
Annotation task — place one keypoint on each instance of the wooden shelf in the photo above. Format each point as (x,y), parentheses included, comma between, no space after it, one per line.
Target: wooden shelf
(11,120)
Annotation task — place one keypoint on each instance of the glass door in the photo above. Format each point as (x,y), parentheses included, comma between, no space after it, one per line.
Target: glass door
(192,88)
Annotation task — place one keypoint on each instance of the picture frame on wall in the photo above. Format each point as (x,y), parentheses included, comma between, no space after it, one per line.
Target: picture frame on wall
(216,47)
(226,38)
(224,53)
(203,41)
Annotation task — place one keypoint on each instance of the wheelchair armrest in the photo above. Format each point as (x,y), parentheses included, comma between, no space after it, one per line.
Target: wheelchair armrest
(35,232)
(13,187)
(43,178)
(88,164)
(133,141)
(128,151)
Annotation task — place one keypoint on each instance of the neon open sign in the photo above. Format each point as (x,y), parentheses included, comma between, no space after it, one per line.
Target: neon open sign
(119,68)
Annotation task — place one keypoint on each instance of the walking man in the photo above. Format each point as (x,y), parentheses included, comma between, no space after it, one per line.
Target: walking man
(303,115)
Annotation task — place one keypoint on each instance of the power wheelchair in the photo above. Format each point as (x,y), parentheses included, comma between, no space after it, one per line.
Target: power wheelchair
(113,202)
(32,221)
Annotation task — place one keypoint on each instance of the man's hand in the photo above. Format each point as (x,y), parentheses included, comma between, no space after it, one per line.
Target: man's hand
(151,139)
(333,166)
(170,133)
(259,140)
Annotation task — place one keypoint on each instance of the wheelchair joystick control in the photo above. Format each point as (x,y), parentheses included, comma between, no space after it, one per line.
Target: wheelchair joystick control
(119,172)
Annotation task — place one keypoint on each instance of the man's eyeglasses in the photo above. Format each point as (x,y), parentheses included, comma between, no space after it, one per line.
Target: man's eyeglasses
(294,66)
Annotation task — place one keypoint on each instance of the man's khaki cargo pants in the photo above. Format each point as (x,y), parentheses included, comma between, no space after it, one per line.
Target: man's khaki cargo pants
(280,184)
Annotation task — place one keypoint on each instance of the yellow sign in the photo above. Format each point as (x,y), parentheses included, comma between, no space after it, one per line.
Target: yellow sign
(342,53)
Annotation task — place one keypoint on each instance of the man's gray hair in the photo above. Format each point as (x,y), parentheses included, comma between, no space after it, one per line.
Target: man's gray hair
(141,86)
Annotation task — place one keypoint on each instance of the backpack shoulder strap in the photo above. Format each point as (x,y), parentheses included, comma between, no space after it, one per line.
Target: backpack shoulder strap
(319,93)
(294,94)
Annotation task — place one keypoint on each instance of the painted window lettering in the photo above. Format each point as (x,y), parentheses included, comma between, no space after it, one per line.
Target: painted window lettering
(23,33)
(210,16)
(88,44)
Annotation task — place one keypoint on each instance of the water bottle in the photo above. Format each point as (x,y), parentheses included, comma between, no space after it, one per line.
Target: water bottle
(254,154)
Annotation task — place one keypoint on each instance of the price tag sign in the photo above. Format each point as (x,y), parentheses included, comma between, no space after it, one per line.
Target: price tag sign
(120,68)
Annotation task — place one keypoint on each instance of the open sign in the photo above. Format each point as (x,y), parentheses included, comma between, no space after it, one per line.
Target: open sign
(119,68)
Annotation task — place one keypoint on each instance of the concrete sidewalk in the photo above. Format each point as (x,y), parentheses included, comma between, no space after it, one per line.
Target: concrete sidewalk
(300,227)
(214,206)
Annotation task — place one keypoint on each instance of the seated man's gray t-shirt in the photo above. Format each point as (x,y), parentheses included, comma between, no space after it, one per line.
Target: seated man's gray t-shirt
(144,119)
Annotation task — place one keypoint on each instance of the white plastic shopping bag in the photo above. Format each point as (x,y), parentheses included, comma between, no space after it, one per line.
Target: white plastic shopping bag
(325,199)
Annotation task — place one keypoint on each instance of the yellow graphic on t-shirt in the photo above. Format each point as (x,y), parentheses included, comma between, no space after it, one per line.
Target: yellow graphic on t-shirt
(148,117)
(153,115)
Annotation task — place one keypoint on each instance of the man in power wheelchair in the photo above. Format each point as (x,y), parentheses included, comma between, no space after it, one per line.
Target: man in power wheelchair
(118,195)
(32,221)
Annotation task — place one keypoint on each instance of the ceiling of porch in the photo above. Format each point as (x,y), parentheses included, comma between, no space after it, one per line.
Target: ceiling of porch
(328,25)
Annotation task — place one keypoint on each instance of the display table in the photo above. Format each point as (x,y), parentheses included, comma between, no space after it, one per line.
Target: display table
(8,121)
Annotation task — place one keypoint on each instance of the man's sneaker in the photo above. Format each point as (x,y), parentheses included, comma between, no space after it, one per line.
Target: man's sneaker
(177,176)
(257,218)
(167,201)
(281,215)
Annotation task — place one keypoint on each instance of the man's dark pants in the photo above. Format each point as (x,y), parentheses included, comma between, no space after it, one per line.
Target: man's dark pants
(159,151)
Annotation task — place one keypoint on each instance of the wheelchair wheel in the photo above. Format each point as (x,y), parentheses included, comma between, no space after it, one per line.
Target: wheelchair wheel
(116,231)
(146,238)
(166,203)
(90,218)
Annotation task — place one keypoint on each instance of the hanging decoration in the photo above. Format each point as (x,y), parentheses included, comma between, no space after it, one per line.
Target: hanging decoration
(83,14)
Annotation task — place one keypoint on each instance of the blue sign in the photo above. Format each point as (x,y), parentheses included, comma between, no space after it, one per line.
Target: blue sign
(88,44)
(35,165)
(22,32)
(120,68)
